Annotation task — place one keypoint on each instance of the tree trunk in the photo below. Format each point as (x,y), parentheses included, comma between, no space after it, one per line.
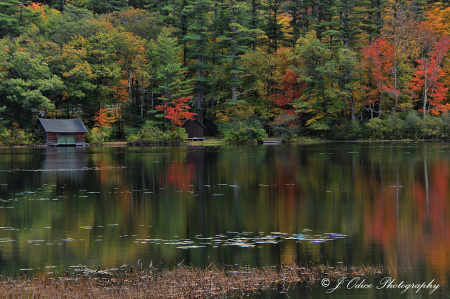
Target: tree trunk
(352,109)
(200,83)
(395,82)
(379,106)
(233,55)
(130,97)
(213,87)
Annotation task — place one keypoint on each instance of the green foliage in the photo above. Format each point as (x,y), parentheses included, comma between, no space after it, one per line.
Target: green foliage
(75,22)
(412,125)
(432,127)
(178,135)
(99,135)
(286,126)
(9,23)
(404,126)
(151,134)
(14,137)
(344,129)
(317,70)
(243,131)
(390,128)
(78,56)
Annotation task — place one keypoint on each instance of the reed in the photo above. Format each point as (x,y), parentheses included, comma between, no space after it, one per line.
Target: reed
(179,282)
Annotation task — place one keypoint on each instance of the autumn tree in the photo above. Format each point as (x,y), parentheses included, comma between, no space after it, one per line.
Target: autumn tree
(104,118)
(400,30)
(428,75)
(177,111)
(378,61)
(288,87)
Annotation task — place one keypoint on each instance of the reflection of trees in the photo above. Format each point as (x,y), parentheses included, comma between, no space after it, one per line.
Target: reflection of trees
(147,192)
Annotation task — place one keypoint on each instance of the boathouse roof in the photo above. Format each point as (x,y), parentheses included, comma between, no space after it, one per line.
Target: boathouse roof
(63,125)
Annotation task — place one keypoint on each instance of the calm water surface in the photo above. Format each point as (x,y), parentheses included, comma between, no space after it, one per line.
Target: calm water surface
(384,204)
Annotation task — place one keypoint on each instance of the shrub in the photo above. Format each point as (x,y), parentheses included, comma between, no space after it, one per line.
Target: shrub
(377,128)
(249,130)
(412,125)
(99,135)
(286,126)
(348,130)
(12,137)
(432,127)
(395,127)
(446,125)
(178,135)
(151,134)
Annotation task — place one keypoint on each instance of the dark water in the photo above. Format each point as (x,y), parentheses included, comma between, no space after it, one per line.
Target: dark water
(382,204)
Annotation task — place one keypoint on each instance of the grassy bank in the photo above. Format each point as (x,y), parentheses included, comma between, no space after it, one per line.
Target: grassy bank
(179,282)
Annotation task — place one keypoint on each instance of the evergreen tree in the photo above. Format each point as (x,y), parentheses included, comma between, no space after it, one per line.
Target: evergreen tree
(315,68)
(236,40)
(352,21)
(9,17)
(322,14)
(273,28)
(170,73)
(197,40)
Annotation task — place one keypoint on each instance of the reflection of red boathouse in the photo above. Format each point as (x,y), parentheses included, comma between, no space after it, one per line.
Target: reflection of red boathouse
(65,132)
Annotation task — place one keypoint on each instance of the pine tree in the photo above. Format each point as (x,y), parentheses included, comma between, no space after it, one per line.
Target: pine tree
(170,73)
(322,13)
(197,42)
(315,69)
(236,40)
(272,28)
(9,17)
(351,19)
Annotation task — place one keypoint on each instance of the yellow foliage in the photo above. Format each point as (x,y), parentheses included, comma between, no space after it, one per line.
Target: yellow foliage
(439,20)
(53,113)
(44,10)
(226,112)
(317,116)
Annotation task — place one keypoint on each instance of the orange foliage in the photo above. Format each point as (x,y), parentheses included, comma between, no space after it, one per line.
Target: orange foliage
(104,118)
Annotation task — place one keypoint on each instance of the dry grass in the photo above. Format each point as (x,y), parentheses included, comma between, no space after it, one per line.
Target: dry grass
(180,282)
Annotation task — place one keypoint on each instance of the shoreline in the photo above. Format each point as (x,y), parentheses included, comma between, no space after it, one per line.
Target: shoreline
(216,142)
(182,281)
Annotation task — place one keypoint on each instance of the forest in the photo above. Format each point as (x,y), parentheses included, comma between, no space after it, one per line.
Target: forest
(245,69)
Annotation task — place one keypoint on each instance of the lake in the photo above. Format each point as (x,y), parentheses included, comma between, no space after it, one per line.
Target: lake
(372,204)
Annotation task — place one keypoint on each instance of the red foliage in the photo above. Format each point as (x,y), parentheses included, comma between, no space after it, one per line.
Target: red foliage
(428,75)
(290,118)
(177,111)
(291,89)
(378,60)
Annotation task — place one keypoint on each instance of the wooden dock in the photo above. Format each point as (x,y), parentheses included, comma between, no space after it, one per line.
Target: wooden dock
(269,141)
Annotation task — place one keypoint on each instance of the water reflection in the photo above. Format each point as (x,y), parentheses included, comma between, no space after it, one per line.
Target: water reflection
(110,207)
